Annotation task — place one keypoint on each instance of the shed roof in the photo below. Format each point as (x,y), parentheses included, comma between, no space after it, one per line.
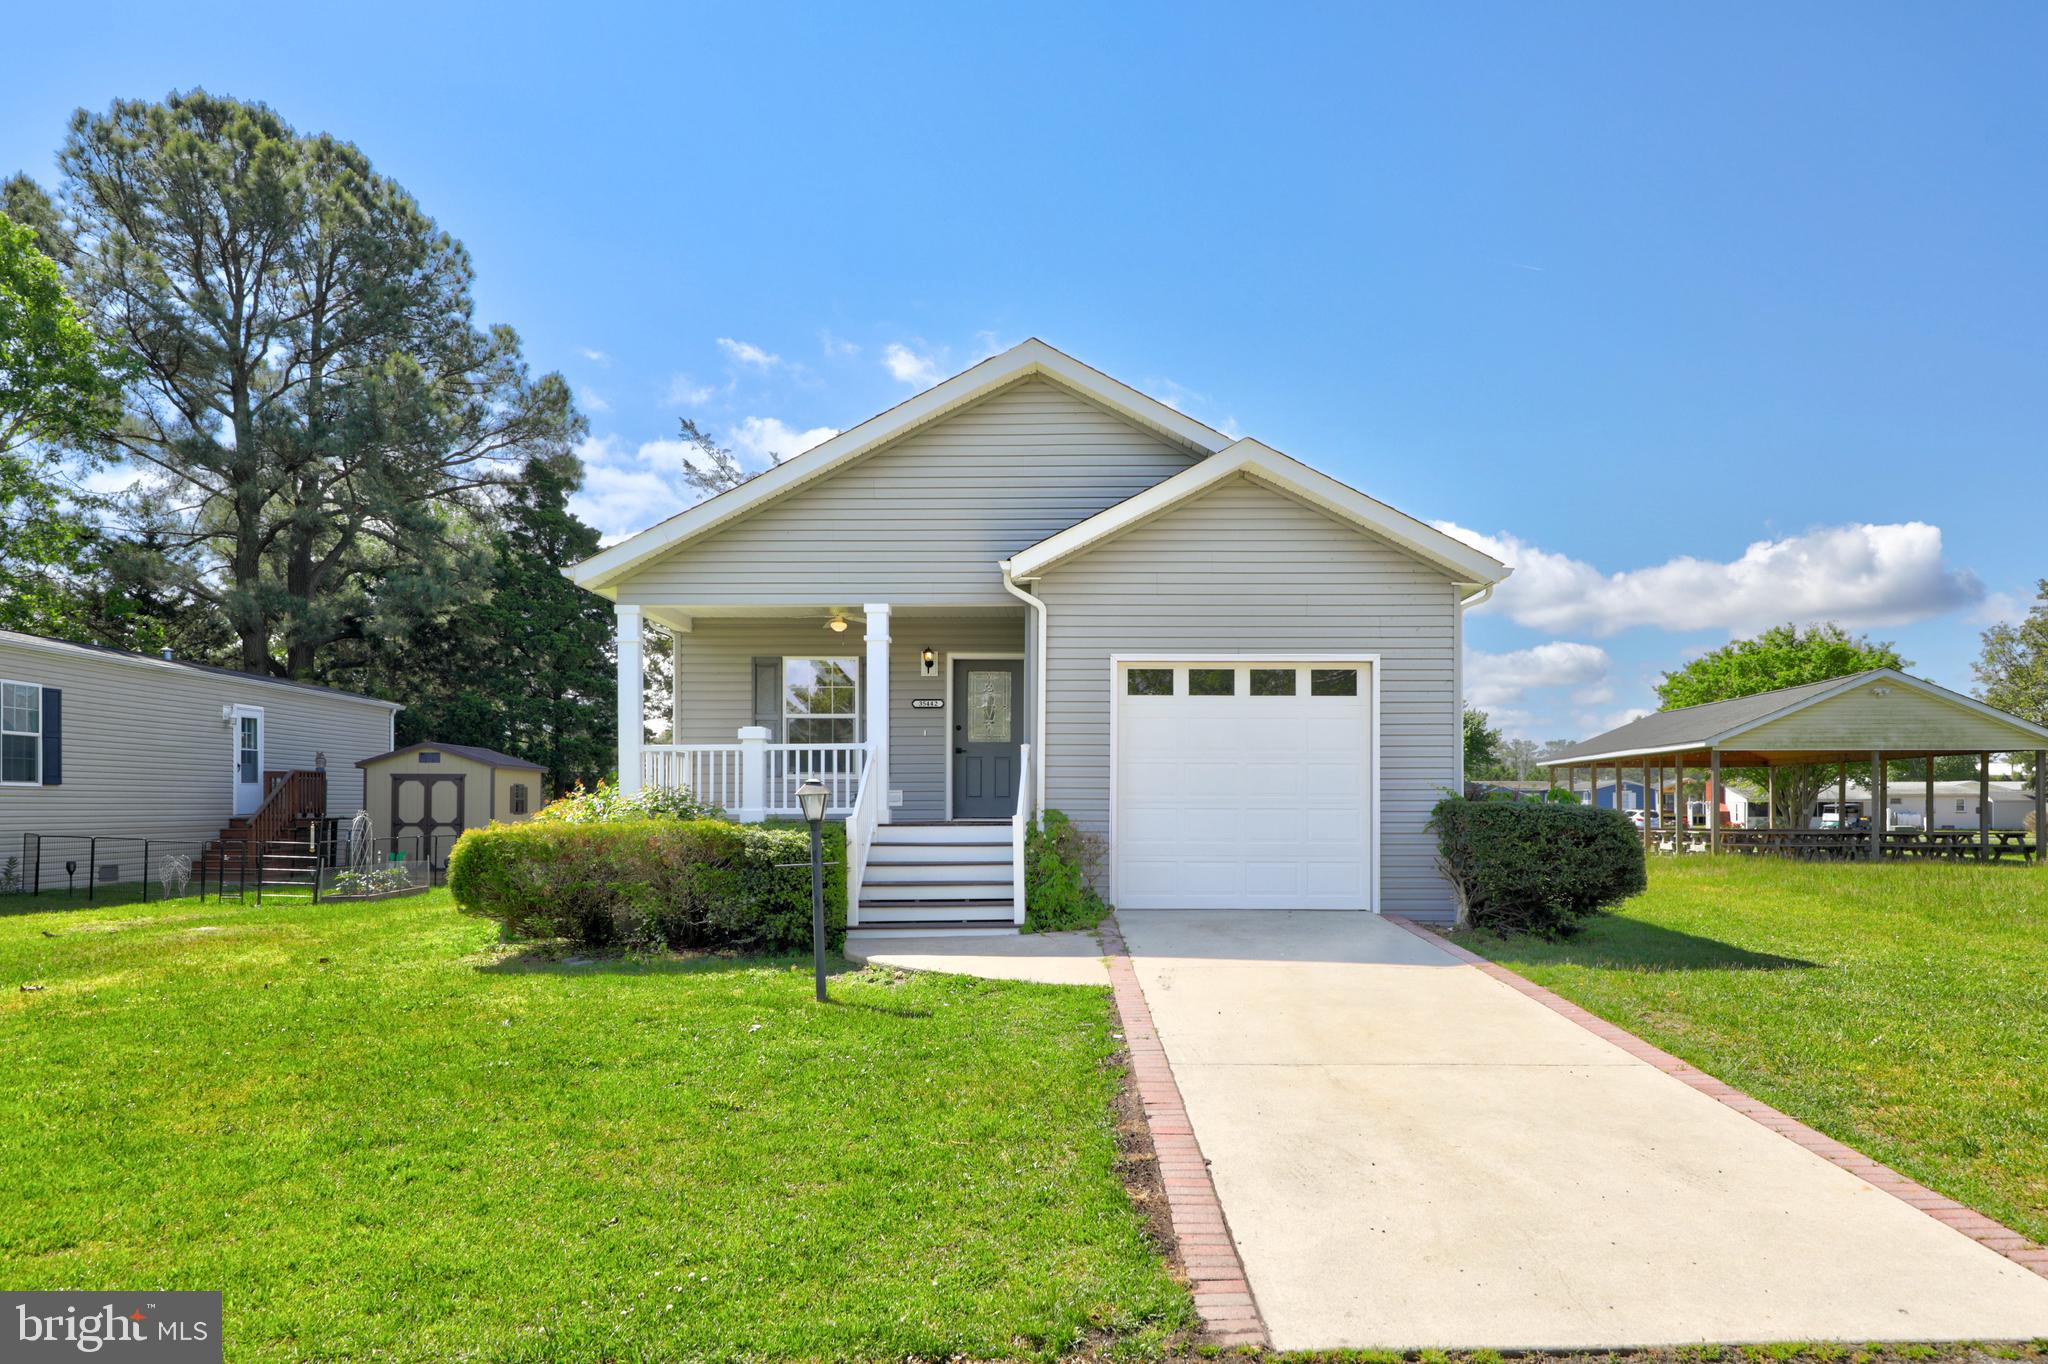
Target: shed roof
(490,757)
(1722,724)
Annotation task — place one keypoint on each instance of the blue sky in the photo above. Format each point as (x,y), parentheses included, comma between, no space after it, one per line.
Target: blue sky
(1707,317)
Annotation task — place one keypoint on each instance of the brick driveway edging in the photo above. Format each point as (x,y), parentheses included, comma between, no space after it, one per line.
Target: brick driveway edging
(1223,1295)
(1971,1223)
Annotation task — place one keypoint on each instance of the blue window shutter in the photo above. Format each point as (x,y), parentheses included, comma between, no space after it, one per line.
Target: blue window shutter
(53,737)
(768,696)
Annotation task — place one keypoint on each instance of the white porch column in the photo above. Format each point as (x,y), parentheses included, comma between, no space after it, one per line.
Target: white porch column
(632,707)
(877,680)
(753,775)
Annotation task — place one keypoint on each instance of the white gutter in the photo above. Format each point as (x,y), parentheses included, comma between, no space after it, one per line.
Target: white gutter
(1037,681)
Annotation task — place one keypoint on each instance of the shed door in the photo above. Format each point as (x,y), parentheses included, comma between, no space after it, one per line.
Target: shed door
(426,814)
(1243,785)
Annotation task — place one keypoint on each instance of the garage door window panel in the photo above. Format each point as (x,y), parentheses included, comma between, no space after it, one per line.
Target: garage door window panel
(1148,682)
(1212,681)
(1273,681)
(1333,682)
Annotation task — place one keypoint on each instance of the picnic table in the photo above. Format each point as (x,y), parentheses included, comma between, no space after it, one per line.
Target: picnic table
(1958,845)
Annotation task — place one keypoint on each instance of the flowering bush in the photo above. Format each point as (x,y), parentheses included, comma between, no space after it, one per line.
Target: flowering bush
(370,881)
(605,802)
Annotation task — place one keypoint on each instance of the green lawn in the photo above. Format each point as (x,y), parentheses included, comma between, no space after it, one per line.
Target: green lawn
(1902,1009)
(381,1134)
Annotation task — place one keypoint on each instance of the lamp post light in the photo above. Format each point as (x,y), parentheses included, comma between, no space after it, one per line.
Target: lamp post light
(811,797)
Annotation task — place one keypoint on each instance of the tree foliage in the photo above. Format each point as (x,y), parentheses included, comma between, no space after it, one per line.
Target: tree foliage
(1782,656)
(60,386)
(322,415)
(524,665)
(1483,748)
(2012,669)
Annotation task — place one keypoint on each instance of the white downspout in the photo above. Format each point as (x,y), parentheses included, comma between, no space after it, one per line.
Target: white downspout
(1037,681)
(1458,674)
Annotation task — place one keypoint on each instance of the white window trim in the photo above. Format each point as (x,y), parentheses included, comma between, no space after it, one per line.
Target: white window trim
(1248,658)
(22,733)
(946,662)
(782,696)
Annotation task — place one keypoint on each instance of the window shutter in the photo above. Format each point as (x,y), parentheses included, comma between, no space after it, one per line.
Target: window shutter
(768,696)
(53,737)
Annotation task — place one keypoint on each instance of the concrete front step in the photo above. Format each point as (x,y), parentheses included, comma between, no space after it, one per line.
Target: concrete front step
(935,911)
(872,890)
(866,938)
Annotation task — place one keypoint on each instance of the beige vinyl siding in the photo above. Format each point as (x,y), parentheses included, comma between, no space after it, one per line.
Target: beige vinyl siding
(147,754)
(924,520)
(715,689)
(1246,569)
(1906,720)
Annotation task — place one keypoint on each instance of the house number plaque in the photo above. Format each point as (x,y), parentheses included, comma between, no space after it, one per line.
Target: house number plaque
(928,703)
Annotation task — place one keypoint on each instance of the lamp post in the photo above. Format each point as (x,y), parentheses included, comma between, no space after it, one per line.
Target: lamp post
(811,797)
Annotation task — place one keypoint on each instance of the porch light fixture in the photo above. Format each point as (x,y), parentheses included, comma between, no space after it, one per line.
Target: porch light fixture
(928,661)
(837,625)
(810,797)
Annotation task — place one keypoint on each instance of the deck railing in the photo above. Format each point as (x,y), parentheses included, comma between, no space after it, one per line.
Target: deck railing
(754,779)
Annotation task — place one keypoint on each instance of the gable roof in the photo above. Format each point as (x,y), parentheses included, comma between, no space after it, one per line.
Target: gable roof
(490,757)
(1713,723)
(1265,465)
(124,656)
(602,571)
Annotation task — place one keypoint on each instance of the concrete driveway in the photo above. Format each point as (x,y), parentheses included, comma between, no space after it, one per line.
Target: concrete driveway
(1410,1153)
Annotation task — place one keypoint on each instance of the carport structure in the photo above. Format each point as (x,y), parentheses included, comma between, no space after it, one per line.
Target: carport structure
(1879,717)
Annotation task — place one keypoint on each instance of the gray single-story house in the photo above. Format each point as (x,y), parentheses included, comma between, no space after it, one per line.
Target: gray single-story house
(1032,587)
(101,749)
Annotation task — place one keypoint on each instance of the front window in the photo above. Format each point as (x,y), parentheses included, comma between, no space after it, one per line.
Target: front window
(21,732)
(818,701)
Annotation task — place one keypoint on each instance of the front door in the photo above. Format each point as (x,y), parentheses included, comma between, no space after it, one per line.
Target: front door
(989,693)
(247,733)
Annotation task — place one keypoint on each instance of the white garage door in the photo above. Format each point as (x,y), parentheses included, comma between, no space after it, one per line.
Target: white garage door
(1243,784)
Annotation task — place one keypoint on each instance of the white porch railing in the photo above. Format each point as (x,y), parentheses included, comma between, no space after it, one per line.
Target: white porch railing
(753,779)
(1020,824)
(710,772)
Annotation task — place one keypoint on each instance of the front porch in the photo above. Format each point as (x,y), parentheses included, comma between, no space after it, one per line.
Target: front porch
(915,721)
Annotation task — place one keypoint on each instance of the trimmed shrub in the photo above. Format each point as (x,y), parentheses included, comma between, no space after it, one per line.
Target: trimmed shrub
(1060,864)
(1535,867)
(605,802)
(701,884)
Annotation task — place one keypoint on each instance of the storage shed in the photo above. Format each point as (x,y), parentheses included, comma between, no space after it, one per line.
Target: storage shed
(424,796)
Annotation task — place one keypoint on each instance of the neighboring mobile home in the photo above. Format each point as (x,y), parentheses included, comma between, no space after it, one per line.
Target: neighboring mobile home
(1034,587)
(102,744)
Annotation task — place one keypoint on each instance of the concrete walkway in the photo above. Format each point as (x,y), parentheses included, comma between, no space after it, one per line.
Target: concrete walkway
(1410,1153)
(1049,958)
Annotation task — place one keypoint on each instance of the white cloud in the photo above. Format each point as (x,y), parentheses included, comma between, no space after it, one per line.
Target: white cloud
(592,400)
(987,343)
(835,348)
(1506,679)
(908,367)
(756,438)
(747,353)
(1859,575)
(683,391)
(595,357)
(2001,608)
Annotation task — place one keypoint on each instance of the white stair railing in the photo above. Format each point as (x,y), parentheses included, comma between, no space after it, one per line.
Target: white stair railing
(860,836)
(1020,825)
